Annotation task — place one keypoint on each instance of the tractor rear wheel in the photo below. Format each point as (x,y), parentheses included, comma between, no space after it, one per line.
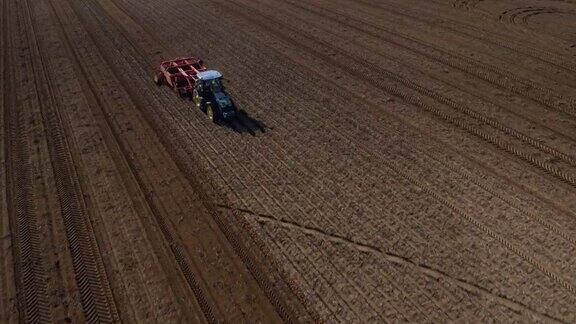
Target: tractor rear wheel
(211,113)
(159,79)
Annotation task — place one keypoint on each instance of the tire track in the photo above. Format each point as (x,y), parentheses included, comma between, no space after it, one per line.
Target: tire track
(28,260)
(8,296)
(29,266)
(95,294)
(302,211)
(267,29)
(522,14)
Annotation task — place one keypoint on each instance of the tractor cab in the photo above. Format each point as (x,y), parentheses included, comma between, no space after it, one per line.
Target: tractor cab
(212,97)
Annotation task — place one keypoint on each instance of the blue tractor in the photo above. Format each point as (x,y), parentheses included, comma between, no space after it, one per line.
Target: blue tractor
(211,97)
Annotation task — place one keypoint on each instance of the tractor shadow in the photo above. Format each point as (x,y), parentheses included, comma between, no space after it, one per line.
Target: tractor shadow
(244,123)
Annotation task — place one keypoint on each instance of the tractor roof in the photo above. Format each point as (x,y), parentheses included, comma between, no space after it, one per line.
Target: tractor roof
(209,75)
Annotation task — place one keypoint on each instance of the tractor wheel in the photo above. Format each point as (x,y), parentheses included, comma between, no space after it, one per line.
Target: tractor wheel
(159,79)
(197,99)
(211,113)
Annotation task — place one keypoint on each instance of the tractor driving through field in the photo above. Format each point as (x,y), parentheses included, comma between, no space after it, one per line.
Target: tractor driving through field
(188,77)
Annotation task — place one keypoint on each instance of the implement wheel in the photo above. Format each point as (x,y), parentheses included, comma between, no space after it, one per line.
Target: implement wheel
(159,79)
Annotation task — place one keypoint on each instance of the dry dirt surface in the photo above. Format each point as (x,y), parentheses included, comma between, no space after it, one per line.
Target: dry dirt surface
(417,164)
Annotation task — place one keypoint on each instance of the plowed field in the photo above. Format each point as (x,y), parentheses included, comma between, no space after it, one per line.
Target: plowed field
(417,162)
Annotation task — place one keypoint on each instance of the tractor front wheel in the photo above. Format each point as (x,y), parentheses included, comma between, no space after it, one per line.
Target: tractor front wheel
(197,99)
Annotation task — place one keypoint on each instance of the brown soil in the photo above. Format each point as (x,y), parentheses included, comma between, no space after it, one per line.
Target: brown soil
(418,162)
